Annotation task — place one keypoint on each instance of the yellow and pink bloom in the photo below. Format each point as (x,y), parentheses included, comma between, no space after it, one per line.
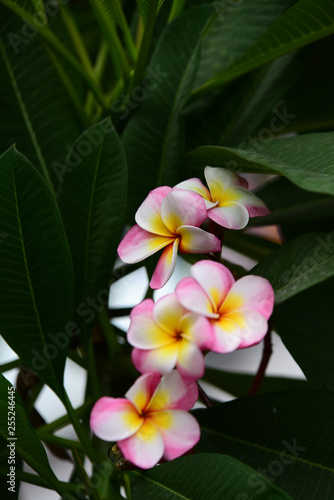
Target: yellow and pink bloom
(228,201)
(237,310)
(165,335)
(151,422)
(168,219)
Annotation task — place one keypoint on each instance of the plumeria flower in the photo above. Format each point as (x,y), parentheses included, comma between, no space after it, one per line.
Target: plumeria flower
(228,201)
(168,219)
(237,310)
(166,335)
(151,422)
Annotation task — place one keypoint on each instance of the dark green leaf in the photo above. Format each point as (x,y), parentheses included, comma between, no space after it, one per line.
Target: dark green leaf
(305,323)
(35,271)
(286,437)
(233,31)
(304,23)
(153,139)
(306,160)
(92,200)
(37,113)
(299,264)
(204,476)
(26,444)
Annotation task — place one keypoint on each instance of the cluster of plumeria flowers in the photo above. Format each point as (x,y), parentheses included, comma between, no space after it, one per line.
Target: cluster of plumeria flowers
(209,311)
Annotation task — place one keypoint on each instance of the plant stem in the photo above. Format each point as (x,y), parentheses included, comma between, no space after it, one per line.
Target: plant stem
(266,354)
(58,441)
(61,422)
(99,68)
(10,365)
(80,431)
(92,371)
(204,397)
(122,22)
(177,7)
(144,46)
(119,312)
(108,332)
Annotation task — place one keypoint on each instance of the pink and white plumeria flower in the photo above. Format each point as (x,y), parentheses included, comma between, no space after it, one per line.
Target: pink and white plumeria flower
(167,219)
(237,310)
(166,335)
(228,201)
(151,422)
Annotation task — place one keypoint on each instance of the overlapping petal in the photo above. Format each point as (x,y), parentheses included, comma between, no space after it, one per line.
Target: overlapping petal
(141,392)
(254,205)
(181,207)
(233,215)
(165,267)
(190,361)
(180,432)
(168,312)
(197,329)
(144,332)
(145,448)
(138,244)
(196,240)
(148,215)
(253,292)
(112,419)
(215,279)
(193,297)
(174,393)
(161,360)
(196,186)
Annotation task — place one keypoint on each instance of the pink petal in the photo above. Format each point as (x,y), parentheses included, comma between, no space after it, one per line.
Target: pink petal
(113,419)
(180,432)
(145,448)
(161,360)
(174,393)
(168,312)
(144,333)
(215,279)
(219,179)
(181,207)
(253,292)
(193,297)
(254,205)
(196,186)
(196,240)
(255,330)
(148,215)
(138,244)
(233,215)
(141,392)
(190,361)
(227,335)
(165,267)
(197,329)
(243,182)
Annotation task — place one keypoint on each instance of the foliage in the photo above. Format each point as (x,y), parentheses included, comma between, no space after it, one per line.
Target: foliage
(104,101)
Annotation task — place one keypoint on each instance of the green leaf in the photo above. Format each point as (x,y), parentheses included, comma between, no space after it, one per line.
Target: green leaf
(37,112)
(305,323)
(26,444)
(204,476)
(144,7)
(306,160)
(35,271)
(153,138)
(299,264)
(92,200)
(232,32)
(304,23)
(286,437)
(239,384)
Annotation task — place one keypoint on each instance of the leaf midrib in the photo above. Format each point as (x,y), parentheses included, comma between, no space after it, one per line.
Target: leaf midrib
(269,450)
